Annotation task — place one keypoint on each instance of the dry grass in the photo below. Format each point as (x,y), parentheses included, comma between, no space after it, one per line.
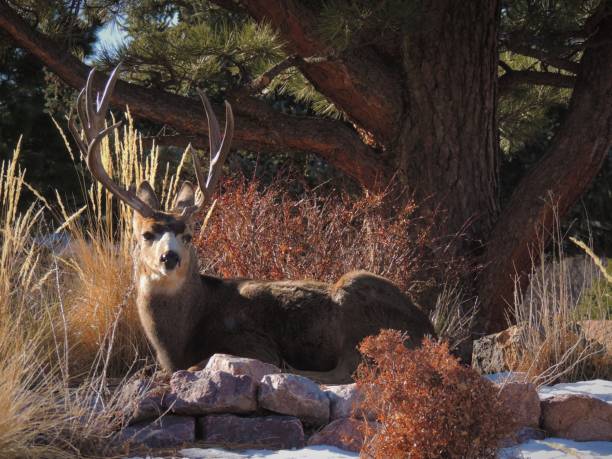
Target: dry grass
(68,317)
(551,346)
(426,403)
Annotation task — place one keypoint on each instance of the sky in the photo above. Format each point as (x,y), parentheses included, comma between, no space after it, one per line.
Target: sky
(109,36)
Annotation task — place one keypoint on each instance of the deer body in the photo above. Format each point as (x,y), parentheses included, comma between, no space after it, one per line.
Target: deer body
(311,327)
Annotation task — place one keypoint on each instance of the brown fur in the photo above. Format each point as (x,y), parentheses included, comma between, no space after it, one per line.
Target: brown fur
(310,327)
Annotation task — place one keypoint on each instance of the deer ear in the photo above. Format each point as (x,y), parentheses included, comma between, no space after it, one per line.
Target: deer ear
(146,193)
(185,197)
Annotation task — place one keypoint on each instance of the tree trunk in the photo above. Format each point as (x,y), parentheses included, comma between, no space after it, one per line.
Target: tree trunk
(447,152)
(574,158)
(432,107)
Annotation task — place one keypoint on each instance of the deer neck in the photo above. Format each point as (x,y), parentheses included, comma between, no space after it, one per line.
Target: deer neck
(169,309)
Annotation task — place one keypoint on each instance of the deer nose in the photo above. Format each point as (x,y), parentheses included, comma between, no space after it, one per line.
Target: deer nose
(170,259)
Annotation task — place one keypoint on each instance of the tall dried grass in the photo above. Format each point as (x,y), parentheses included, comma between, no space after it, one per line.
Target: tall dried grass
(550,342)
(68,321)
(38,419)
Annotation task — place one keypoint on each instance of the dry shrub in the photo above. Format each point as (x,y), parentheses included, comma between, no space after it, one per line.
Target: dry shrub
(269,234)
(427,404)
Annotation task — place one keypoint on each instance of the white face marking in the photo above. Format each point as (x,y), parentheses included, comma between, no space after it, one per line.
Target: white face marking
(169,242)
(161,279)
(156,278)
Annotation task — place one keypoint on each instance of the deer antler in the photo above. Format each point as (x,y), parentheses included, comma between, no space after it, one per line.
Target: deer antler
(219,149)
(91,116)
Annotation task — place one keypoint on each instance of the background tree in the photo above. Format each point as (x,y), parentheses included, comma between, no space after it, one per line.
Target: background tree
(29,93)
(423,91)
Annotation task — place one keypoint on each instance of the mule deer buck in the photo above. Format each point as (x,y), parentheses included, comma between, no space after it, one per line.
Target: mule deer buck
(311,327)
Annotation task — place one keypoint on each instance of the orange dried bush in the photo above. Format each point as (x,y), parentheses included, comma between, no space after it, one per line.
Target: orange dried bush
(426,403)
(270,234)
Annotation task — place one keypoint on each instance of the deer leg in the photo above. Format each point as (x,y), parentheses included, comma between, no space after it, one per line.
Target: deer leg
(341,374)
(198,366)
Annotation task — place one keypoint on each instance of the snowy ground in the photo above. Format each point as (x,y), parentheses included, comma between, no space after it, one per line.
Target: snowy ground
(312,452)
(599,388)
(549,448)
(559,448)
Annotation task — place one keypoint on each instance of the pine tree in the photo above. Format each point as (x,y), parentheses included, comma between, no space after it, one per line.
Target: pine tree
(431,92)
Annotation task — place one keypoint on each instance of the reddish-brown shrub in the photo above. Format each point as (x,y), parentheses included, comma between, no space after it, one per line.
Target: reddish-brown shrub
(269,234)
(427,404)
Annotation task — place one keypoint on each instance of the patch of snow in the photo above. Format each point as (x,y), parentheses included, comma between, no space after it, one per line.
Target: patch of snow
(505,377)
(598,388)
(311,452)
(558,448)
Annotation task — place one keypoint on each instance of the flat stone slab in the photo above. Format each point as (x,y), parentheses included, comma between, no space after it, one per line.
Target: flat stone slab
(577,417)
(141,399)
(345,402)
(206,392)
(256,369)
(523,402)
(345,433)
(294,395)
(166,432)
(269,432)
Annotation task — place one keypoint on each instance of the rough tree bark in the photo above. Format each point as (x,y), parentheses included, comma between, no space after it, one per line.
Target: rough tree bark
(430,104)
(574,158)
(447,151)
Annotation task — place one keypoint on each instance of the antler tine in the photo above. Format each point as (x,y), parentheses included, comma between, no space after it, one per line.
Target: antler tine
(216,162)
(214,133)
(75,133)
(102,104)
(220,148)
(92,117)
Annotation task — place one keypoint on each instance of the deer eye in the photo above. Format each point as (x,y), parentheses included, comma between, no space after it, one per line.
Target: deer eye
(187,238)
(148,236)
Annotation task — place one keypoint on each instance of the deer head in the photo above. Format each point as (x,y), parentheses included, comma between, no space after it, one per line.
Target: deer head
(162,236)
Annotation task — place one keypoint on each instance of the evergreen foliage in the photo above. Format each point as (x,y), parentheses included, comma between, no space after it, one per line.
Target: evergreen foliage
(181,46)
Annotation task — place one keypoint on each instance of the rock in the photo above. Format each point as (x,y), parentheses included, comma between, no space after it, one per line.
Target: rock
(270,432)
(345,401)
(344,433)
(296,396)
(599,331)
(522,400)
(497,352)
(598,334)
(166,432)
(577,417)
(523,435)
(256,369)
(207,392)
(141,399)
(500,352)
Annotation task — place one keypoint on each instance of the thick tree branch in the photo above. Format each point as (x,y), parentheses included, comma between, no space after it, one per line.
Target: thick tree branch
(360,83)
(545,58)
(261,82)
(514,78)
(257,125)
(564,173)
